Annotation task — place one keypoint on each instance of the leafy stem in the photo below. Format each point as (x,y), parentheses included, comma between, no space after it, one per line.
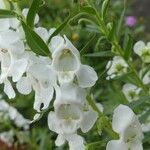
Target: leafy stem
(106,124)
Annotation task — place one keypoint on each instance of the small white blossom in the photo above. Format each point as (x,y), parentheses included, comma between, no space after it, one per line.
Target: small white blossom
(116,67)
(40,78)
(131,91)
(143,50)
(127,125)
(12,114)
(12,58)
(71,114)
(66,63)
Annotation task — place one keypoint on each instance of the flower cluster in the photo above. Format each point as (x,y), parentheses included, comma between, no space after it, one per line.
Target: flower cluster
(62,78)
(10,114)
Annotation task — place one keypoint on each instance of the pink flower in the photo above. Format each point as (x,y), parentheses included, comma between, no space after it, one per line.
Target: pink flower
(131,21)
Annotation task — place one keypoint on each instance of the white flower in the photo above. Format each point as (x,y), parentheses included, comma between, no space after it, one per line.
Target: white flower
(12,58)
(127,125)
(131,91)
(146,78)
(13,115)
(143,51)
(70,114)
(66,63)
(116,67)
(40,78)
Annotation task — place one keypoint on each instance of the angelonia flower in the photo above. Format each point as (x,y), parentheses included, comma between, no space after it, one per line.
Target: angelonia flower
(131,91)
(127,125)
(116,67)
(143,50)
(131,21)
(62,78)
(10,113)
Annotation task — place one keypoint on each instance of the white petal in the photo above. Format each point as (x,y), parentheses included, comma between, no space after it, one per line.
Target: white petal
(56,42)
(17,69)
(116,145)
(88,121)
(76,142)
(122,118)
(138,47)
(17,47)
(60,140)
(4,24)
(9,37)
(43,97)
(53,122)
(24,86)
(42,32)
(86,76)
(137,145)
(68,94)
(8,89)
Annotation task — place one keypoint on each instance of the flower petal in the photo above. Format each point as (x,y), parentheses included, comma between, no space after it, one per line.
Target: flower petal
(86,76)
(60,140)
(138,47)
(24,86)
(76,142)
(116,145)
(43,96)
(8,89)
(88,120)
(53,122)
(18,68)
(122,118)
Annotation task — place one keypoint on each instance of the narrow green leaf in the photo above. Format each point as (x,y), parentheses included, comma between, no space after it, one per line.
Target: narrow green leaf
(32,12)
(87,45)
(112,33)
(128,47)
(105,8)
(35,42)
(120,22)
(88,10)
(59,29)
(100,54)
(138,102)
(8,14)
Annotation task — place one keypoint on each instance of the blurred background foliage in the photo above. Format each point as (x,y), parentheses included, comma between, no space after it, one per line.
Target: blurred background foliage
(80,31)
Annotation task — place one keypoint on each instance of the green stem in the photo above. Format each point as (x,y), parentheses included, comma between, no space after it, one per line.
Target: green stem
(107,125)
(105,31)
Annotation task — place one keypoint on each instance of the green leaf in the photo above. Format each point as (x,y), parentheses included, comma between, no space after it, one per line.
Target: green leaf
(138,102)
(120,22)
(59,29)
(8,14)
(100,54)
(33,11)
(128,47)
(105,8)
(88,9)
(35,42)
(112,33)
(88,44)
